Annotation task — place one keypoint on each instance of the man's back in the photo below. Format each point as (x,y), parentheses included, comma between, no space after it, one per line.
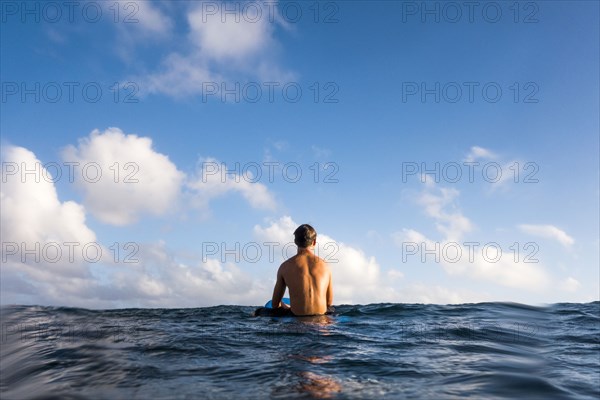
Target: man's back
(309,281)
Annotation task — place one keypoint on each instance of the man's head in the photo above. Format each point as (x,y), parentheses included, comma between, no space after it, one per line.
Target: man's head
(305,236)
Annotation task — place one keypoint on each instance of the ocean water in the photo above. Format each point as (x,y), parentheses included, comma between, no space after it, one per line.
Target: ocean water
(479,351)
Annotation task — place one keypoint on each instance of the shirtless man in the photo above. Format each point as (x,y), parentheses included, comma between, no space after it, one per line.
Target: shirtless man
(307,277)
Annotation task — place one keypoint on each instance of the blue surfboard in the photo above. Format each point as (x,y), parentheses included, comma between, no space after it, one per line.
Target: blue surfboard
(285,300)
(267,311)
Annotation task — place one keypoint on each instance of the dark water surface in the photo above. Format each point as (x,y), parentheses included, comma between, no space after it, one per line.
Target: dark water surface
(480,351)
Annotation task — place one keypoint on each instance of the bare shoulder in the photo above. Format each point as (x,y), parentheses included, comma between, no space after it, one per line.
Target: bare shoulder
(322,263)
(284,265)
(287,264)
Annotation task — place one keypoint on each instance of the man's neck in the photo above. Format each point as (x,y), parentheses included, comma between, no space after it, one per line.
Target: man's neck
(305,250)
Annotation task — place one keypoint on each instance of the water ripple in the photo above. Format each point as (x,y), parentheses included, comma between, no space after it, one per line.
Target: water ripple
(486,350)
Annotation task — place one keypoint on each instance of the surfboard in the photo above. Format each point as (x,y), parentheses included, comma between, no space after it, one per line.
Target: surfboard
(285,300)
(268,311)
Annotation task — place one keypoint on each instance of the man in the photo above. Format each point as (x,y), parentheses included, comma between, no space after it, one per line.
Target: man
(307,277)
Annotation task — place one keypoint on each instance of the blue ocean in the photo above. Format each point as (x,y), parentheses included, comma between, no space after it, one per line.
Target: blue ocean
(396,351)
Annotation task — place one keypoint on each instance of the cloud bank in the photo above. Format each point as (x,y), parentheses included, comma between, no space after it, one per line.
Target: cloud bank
(50,254)
(357,277)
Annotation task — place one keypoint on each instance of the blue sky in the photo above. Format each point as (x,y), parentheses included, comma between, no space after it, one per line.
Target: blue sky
(389,90)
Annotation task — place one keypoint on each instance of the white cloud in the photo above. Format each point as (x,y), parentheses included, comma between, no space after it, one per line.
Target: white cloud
(159,279)
(434,201)
(570,285)
(180,77)
(31,210)
(149,18)
(221,50)
(490,167)
(156,279)
(229,37)
(143,18)
(122,177)
(357,276)
(500,268)
(395,274)
(134,179)
(480,261)
(548,232)
(42,237)
(137,22)
(409,236)
(477,152)
(212,180)
(435,294)
(280,231)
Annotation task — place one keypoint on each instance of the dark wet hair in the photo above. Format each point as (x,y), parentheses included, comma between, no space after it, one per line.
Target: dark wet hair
(305,235)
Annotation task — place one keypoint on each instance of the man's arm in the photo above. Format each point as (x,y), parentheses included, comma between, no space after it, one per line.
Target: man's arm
(330,292)
(279,290)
